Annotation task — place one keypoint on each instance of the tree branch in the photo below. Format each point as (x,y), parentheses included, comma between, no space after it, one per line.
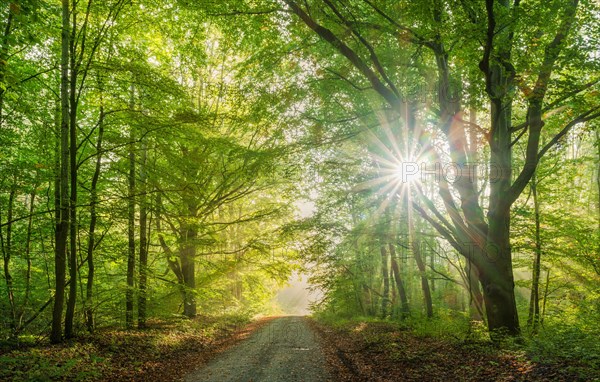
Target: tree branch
(347,52)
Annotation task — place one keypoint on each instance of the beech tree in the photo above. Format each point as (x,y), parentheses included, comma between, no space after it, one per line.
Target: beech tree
(362,32)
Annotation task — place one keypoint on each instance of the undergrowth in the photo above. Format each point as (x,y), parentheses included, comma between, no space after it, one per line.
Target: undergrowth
(557,344)
(116,354)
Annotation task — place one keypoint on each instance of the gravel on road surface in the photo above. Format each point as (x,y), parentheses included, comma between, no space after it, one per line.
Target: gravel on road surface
(286,349)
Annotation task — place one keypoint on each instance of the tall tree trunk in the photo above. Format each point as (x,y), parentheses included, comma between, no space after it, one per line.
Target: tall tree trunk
(28,257)
(495,266)
(130,231)
(494,262)
(6,254)
(534,301)
(143,268)
(89,288)
(404,307)
(3,64)
(416,250)
(4,52)
(496,276)
(472,276)
(70,313)
(410,122)
(385,297)
(62,210)
(596,263)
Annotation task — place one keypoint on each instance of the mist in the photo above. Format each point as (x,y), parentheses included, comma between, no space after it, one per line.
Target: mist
(298,296)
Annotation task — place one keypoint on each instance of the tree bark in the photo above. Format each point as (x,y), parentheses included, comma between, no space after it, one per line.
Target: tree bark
(472,276)
(534,301)
(4,52)
(475,295)
(495,266)
(130,231)
(143,266)
(6,254)
(404,307)
(62,210)
(188,268)
(70,313)
(28,259)
(416,250)
(89,313)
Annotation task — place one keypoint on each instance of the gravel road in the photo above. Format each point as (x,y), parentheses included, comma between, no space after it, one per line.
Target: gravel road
(286,349)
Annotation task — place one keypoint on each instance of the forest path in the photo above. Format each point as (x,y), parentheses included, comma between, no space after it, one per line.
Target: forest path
(286,349)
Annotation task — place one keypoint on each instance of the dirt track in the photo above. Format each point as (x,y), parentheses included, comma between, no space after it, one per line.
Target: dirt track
(286,349)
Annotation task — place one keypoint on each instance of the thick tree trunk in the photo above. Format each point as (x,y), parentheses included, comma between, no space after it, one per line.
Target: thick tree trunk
(496,277)
(495,266)
(188,269)
(404,307)
(385,296)
(62,209)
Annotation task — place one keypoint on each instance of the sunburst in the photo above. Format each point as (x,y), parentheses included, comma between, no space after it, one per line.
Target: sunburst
(398,164)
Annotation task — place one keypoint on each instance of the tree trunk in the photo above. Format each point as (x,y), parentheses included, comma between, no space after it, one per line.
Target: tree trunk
(385,297)
(472,276)
(416,250)
(6,251)
(89,313)
(534,301)
(404,307)
(6,254)
(69,316)
(130,232)
(596,263)
(475,295)
(495,266)
(62,209)
(543,313)
(496,277)
(188,268)
(4,51)
(27,258)
(143,268)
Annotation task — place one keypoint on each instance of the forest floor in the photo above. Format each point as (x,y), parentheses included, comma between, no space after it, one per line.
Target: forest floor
(230,348)
(166,351)
(384,351)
